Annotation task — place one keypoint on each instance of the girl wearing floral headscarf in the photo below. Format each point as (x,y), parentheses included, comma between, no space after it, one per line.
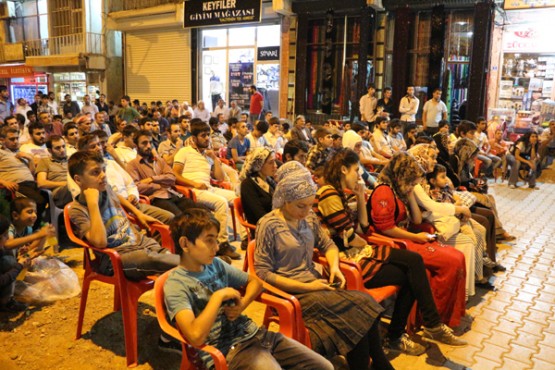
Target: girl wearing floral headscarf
(339,322)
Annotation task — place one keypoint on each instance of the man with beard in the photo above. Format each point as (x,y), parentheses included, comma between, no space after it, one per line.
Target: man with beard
(36,147)
(71,137)
(155,178)
(16,171)
(51,127)
(194,166)
(52,172)
(172,144)
(119,180)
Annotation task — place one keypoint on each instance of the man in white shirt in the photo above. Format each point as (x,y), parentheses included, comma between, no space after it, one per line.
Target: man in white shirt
(368,104)
(221,109)
(409,106)
(88,107)
(434,111)
(380,139)
(194,166)
(256,137)
(36,147)
(201,112)
(71,137)
(125,150)
(52,102)
(273,137)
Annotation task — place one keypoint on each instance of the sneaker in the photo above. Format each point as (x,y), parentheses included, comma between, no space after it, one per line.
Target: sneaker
(499,268)
(226,259)
(512,186)
(170,346)
(405,345)
(534,187)
(444,335)
(244,244)
(13,306)
(488,262)
(227,250)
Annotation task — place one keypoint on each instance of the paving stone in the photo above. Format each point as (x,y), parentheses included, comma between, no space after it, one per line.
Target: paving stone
(482,363)
(499,339)
(464,355)
(493,352)
(504,296)
(509,327)
(475,338)
(546,354)
(515,282)
(520,272)
(528,340)
(498,306)
(542,365)
(483,326)
(548,339)
(491,315)
(521,353)
(542,306)
(532,327)
(529,288)
(510,364)
(525,297)
(539,316)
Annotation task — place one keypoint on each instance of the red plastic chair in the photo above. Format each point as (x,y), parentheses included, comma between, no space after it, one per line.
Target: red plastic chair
(126,292)
(186,191)
(240,215)
(274,299)
(188,350)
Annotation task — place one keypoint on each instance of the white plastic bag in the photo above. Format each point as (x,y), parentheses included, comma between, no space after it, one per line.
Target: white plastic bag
(46,281)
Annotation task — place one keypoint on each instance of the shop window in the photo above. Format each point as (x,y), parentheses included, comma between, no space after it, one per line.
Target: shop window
(421,50)
(242,36)
(460,26)
(345,63)
(268,35)
(214,38)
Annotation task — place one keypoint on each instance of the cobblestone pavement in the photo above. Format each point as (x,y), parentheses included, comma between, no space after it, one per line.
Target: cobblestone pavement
(513,327)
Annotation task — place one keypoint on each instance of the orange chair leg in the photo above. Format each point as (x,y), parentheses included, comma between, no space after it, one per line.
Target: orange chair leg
(82,306)
(117,298)
(129,307)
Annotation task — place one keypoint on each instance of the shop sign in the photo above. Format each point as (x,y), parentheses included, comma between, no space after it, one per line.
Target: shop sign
(268,53)
(201,13)
(16,71)
(241,77)
(527,4)
(528,39)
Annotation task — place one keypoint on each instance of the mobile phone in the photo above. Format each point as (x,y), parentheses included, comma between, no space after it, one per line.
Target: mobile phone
(337,284)
(432,236)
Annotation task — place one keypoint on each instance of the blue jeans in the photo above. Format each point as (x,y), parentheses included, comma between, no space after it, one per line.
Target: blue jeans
(515,167)
(269,350)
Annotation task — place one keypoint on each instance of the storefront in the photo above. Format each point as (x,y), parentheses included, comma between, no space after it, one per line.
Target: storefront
(23,82)
(232,59)
(76,84)
(526,67)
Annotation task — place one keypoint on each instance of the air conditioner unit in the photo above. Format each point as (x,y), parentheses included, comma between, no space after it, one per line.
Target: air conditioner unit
(376,4)
(282,7)
(7,10)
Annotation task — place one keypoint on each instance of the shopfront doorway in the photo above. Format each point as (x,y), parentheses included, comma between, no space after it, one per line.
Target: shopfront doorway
(232,59)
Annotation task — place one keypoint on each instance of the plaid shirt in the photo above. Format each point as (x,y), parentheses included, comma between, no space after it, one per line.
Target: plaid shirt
(317,156)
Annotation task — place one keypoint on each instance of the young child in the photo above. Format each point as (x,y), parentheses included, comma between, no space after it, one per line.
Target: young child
(10,267)
(21,238)
(202,299)
(449,226)
(320,153)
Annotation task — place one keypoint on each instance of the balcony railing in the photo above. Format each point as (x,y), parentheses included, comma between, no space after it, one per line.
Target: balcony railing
(88,43)
(119,5)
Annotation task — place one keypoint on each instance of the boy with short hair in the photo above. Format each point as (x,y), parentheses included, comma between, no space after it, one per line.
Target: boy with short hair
(20,248)
(201,298)
(319,154)
(96,216)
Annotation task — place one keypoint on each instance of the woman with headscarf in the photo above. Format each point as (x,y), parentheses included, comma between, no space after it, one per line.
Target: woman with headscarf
(345,218)
(473,245)
(525,152)
(340,322)
(389,208)
(257,183)
(462,160)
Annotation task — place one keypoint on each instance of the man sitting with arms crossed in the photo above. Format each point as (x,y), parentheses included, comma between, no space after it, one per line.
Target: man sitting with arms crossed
(52,171)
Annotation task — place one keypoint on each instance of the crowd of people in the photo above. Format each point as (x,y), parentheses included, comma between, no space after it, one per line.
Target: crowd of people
(327,187)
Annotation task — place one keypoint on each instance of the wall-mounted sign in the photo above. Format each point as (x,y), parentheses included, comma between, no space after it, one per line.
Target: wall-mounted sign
(16,71)
(200,13)
(528,39)
(527,4)
(13,52)
(268,53)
